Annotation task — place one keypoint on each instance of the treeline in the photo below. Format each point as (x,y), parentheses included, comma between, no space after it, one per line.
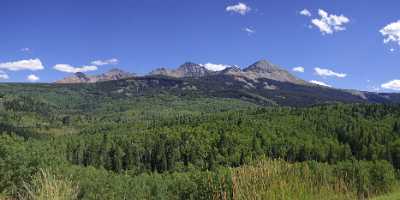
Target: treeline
(325,134)
(24,161)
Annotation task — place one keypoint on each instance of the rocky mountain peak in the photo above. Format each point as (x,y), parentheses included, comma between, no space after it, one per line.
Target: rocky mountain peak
(267,70)
(233,70)
(115,74)
(262,66)
(80,77)
(190,69)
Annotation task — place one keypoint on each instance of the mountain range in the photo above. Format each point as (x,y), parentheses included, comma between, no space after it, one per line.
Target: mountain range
(261,82)
(113,74)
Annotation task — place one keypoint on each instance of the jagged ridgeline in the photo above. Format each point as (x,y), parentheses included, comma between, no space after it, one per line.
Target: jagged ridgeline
(262,83)
(191,133)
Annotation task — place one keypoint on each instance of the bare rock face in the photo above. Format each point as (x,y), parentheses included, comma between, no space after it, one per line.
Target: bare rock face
(233,70)
(114,74)
(259,70)
(264,69)
(79,77)
(187,69)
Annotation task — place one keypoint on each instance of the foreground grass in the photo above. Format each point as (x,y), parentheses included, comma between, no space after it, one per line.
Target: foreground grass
(391,196)
(266,179)
(278,180)
(46,186)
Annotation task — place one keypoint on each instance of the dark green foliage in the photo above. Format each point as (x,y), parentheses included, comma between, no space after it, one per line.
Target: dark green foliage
(130,139)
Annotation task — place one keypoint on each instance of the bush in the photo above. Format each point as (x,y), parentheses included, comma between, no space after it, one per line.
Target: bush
(369,178)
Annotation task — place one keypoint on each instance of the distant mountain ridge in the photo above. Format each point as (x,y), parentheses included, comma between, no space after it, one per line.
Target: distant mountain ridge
(187,69)
(260,82)
(259,69)
(113,74)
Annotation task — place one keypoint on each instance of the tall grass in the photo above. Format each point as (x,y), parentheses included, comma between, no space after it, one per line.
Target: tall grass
(265,179)
(278,180)
(46,186)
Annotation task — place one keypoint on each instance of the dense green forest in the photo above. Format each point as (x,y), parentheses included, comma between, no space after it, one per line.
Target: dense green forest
(76,142)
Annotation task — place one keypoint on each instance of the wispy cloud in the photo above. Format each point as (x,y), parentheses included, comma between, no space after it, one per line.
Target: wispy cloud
(240,8)
(71,69)
(391,32)
(30,64)
(320,83)
(112,61)
(305,12)
(298,69)
(3,75)
(329,23)
(26,49)
(327,72)
(249,30)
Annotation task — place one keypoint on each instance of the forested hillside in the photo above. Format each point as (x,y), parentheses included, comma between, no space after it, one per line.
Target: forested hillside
(136,140)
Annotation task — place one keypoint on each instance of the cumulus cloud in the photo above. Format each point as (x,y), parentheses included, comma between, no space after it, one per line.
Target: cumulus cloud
(240,8)
(320,83)
(392,85)
(112,61)
(329,23)
(32,78)
(31,64)
(215,67)
(71,69)
(298,69)
(327,72)
(391,32)
(305,12)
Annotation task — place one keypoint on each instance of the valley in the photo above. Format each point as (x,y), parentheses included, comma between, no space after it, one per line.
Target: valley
(209,137)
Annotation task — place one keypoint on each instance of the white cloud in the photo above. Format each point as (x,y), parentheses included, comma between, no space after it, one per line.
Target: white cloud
(392,50)
(32,78)
(31,64)
(72,69)
(298,69)
(328,72)
(249,30)
(26,49)
(391,32)
(215,67)
(305,12)
(112,61)
(3,75)
(328,23)
(320,83)
(392,85)
(240,8)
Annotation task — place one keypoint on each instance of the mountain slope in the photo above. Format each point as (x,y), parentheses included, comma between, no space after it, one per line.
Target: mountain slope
(260,69)
(262,83)
(113,74)
(187,69)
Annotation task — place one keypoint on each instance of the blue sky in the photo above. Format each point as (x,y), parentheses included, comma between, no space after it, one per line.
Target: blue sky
(341,44)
